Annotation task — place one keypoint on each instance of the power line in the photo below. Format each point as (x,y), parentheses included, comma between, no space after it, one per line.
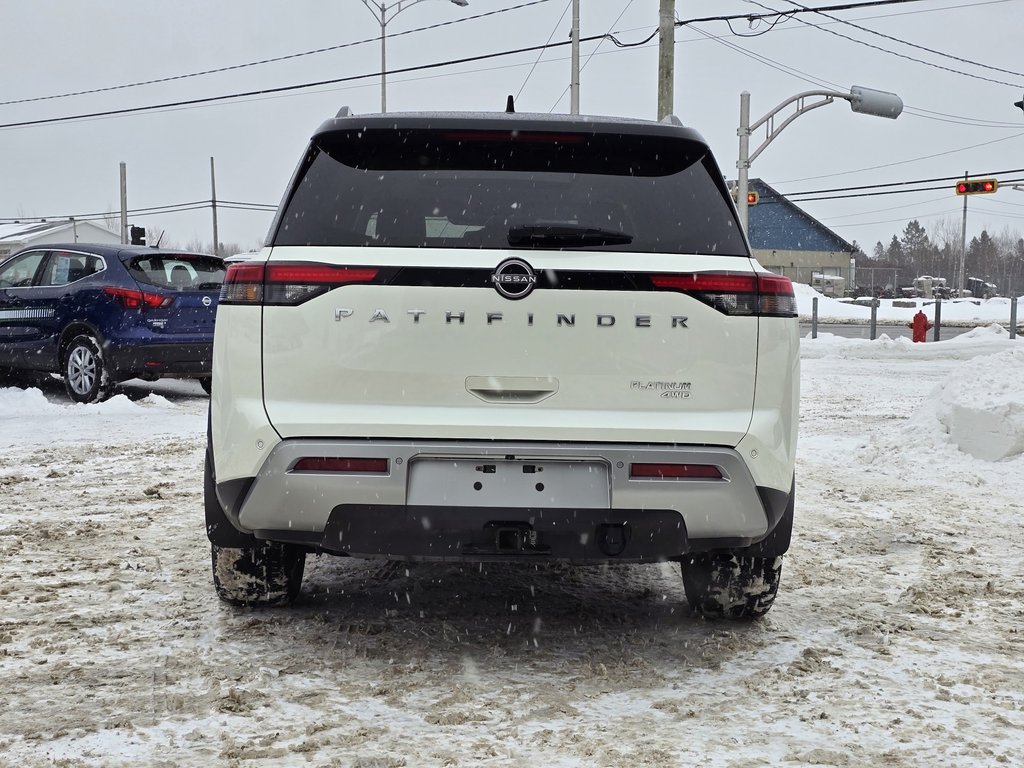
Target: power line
(948,212)
(821,82)
(286,57)
(876,193)
(908,43)
(286,88)
(541,54)
(886,50)
(155,210)
(774,13)
(607,36)
(903,162)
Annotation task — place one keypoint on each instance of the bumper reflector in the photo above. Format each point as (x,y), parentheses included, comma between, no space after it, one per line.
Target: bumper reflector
(333,464)
(674,472)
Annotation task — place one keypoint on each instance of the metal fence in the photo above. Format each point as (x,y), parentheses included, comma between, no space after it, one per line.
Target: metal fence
(885,282)
(937,325)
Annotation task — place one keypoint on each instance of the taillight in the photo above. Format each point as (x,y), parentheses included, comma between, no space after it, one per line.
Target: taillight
(287,284)
(674,472)
(760,294)
(360,466)
(243,284)
(130,299)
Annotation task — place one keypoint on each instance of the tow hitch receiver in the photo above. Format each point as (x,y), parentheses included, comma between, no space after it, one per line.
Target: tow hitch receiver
(512,537)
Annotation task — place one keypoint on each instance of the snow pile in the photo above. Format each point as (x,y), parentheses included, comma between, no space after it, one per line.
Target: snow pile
(15,402)
(977,342)
(981,406)
(996,310)
(34,417)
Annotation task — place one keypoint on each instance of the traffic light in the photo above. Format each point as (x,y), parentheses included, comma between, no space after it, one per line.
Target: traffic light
(977,187)
(752,197)
(138,235)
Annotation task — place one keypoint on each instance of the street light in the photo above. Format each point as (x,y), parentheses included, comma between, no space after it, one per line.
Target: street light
(867,101)
(384,13)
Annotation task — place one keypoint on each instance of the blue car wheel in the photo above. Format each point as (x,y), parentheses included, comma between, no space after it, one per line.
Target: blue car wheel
(85,375)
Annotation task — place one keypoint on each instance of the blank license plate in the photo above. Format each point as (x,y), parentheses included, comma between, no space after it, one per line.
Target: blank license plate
(490,483)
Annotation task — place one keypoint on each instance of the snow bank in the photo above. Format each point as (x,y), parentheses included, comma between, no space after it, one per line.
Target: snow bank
(16,402)
(995,310)
(981,407)
(28,417)
(977,342)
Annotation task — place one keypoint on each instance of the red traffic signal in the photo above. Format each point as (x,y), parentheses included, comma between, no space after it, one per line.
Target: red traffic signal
(752,197)
(977,187)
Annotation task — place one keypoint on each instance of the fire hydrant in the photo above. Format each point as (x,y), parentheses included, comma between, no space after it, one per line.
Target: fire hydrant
(920,326)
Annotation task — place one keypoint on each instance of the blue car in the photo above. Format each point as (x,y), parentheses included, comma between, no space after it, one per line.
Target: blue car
(101,314)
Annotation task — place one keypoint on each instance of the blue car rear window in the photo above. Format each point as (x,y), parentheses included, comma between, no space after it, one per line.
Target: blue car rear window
(178,272)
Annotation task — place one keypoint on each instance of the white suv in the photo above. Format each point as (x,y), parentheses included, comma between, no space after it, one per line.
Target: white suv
(505,337)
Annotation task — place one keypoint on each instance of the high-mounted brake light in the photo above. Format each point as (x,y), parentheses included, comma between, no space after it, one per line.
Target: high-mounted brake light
(520,137)
(130,299)
(674,472)
(285,283)
(760,294)
(359,466)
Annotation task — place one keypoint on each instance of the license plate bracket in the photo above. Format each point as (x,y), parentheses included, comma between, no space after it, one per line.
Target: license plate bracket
(509,483)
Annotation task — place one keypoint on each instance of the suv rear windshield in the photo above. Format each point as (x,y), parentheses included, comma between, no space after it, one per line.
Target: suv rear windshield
(183,272)
(499,189)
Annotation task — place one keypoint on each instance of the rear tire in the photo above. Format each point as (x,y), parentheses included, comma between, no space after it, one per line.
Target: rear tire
(85,374)
(729,586)
(268,574)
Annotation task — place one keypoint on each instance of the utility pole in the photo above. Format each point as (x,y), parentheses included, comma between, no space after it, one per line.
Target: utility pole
(124,203)
(213,201)
(963,247)
(574,81)
(666,56)
(743,164)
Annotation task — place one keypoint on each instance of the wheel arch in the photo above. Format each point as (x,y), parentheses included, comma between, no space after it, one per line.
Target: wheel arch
(73,329)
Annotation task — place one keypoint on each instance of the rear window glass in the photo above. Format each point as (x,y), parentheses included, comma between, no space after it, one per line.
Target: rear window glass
(178,272)
(502,189)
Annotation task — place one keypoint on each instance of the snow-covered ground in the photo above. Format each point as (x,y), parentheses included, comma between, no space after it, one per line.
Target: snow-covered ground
(897,638)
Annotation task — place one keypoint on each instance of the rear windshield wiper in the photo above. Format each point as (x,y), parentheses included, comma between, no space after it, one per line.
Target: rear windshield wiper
(564,235)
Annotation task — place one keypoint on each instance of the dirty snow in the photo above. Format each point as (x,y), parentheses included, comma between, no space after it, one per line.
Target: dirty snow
(897,638)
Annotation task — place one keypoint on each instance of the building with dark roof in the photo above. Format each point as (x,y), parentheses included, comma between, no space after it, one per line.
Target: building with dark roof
(788,240)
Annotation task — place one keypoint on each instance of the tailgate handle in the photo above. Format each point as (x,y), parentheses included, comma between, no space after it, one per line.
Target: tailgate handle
(512,389)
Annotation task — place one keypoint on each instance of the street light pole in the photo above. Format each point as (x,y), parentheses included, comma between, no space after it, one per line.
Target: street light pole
(574,79)
(864,100)
(961,282)
(380,12)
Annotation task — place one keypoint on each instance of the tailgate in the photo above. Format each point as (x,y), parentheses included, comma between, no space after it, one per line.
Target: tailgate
(584,358)
(190,312)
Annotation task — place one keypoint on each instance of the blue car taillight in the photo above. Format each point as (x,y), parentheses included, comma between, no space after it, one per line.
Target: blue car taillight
(130,299)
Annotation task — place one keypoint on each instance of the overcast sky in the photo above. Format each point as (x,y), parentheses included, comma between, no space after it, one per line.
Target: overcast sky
(953,122)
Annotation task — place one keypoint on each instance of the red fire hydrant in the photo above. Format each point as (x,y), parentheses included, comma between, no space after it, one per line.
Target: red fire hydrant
(920,326)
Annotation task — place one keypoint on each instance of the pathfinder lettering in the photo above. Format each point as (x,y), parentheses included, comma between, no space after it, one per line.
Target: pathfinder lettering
(559,320)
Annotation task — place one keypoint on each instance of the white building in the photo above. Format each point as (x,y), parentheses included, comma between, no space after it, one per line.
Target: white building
(14,237)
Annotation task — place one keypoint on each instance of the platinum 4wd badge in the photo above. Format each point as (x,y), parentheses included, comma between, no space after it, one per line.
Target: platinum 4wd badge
(670,390)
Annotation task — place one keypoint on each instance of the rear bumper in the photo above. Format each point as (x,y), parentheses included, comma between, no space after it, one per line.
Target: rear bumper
(161,359)
(381,515)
